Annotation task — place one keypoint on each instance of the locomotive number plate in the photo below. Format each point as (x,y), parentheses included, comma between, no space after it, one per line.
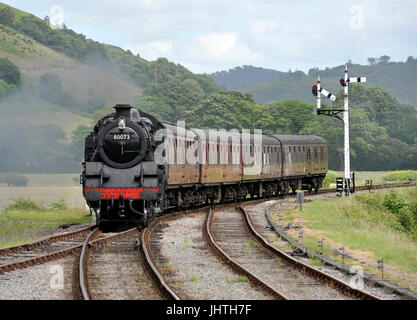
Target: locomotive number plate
(121,137)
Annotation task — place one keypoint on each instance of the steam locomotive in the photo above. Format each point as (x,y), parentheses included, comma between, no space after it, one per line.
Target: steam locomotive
(136,167)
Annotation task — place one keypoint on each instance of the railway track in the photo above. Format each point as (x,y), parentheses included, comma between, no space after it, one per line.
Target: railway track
(124,243)
(63,245)
(374,187)
(237,267)
(233,239)
(344,287)
(41,251)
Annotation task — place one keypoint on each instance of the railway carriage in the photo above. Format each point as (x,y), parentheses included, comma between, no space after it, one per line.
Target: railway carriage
(125,181)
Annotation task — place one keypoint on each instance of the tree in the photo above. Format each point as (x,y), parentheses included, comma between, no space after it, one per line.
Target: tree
(47,20)
(410,59)
(287,116)
(384,59)
(224,110)
(33,27)
(14,180)
(7,16)
(78,140)
(9,72)
(169,100)
(372,61)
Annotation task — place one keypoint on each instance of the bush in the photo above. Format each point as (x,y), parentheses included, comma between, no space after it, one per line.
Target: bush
(393,202)
(7,16)
(404,175)
(25,205)
(9,72)
(60,205)
(14,180)
(330,178)
(33,27)
(413,209)
(405,217)
(6,88)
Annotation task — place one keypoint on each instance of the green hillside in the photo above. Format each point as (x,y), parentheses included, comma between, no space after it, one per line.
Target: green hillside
(397,78)
(383,131)
(18,14)
(54,82)
(242,77)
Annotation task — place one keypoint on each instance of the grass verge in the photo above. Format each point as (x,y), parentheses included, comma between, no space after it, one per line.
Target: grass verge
(26,220)
(368,229)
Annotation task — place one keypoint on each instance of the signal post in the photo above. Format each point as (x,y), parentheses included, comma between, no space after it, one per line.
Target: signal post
(317,91)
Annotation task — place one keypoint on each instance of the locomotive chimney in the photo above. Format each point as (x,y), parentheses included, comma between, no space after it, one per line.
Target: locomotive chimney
(122,110)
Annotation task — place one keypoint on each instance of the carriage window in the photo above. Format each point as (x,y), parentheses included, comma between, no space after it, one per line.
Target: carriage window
(315,153)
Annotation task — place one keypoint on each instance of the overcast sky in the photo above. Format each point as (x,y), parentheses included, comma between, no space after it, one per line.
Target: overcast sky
(214,35)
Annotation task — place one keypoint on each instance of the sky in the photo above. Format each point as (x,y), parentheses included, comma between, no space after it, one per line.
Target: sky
(207,36)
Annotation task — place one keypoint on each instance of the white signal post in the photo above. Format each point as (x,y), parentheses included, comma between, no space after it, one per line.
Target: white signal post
(324,92)
(334,112)
(346,125)
(318,94)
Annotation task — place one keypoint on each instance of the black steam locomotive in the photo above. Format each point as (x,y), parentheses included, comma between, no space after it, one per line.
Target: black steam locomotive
(121,181)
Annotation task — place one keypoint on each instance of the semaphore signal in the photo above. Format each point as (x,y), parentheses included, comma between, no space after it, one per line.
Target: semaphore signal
(327,94)
(345,84)
(317,91)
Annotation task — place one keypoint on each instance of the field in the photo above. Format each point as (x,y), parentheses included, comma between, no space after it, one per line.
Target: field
(46,189)
(362,176)
(39,179)
(20,225)
(26,224)
(366,228)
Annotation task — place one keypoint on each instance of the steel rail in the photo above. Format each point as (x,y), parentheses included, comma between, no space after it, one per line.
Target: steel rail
(374,187)
(82,268)
(22,264)
(256,281)
(44,242)
(156,276)
(322,276)
(71,235)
